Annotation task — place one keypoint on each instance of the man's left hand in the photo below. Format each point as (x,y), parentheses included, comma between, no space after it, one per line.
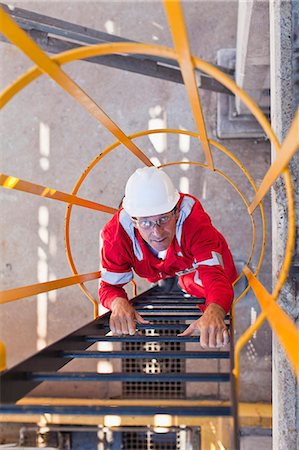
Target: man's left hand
(211,327)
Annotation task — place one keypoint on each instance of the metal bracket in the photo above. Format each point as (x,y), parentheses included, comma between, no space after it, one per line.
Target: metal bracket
(230,125)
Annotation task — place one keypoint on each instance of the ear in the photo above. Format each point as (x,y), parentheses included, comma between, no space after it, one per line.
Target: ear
(177,213)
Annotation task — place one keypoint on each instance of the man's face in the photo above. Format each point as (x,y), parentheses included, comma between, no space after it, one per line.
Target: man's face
(158,231)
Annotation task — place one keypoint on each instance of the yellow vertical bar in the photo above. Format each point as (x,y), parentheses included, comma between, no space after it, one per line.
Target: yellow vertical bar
(16,35)
(2,356)
(179,34)
(280,322)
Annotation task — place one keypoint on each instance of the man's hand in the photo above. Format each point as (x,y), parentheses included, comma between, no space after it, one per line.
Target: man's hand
(124,317)
(211,327)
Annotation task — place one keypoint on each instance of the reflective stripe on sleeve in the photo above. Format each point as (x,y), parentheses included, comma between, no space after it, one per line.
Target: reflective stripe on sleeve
(116,277)
(216,260)
(197,280)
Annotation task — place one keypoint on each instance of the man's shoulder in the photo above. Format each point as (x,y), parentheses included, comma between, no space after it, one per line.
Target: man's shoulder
(196,220)
(112,226)
(118,226)
(190,206)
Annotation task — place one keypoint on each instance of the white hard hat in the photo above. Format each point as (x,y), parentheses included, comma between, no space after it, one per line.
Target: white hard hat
(149,192)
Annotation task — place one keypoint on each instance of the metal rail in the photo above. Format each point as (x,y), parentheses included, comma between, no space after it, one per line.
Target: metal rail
(56,36)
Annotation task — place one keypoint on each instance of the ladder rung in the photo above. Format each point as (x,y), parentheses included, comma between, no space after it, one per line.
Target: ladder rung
(174,317)
(141,338)
(149,309)
(165,304)
(174,295)
(147,355)
(158,326)
(134,377)
(162,326)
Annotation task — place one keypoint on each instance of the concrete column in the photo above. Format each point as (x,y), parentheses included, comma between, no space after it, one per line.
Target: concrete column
(283,104)
(252,56)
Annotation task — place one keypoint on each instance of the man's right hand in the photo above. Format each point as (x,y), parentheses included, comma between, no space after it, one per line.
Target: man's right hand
(124,317)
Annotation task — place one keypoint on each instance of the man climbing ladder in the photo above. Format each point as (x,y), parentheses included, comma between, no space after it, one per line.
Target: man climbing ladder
(161,233)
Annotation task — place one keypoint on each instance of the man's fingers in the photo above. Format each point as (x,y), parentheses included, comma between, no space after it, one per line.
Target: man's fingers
(124,325)
(124,322)
(213,334)
(204,337)
(225,337)
(115,325)
(188,332)
(140,319)
(222,337)
(131,325)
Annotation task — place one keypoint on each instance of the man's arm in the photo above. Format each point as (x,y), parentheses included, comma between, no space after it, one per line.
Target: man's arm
(211,327)
(117,272)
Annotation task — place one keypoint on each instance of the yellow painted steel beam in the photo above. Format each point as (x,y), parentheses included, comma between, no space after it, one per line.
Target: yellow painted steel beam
(287,151)
(256,410)
(11,295)
(56,401)
(251,414)
(55,419)
(100,420)
(2,356)
(10,182)
(280,322)
(15,34)
(180,38)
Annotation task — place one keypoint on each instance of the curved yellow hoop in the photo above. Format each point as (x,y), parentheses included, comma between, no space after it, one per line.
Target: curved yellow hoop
(124,47)
(174,131)
(102,49)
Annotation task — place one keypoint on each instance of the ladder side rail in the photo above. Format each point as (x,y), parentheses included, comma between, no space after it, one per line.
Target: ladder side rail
(15,383)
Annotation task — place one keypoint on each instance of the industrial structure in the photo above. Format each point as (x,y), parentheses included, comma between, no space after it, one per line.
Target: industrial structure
(85,388)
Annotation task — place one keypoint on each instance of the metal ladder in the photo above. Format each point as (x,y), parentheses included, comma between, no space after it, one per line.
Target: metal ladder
(155,305)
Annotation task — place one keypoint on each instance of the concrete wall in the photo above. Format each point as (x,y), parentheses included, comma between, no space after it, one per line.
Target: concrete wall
(49,139)
(283,18)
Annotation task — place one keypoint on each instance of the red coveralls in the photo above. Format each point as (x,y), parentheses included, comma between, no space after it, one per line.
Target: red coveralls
(198,254)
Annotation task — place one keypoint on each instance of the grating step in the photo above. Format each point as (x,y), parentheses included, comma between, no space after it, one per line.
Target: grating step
(147,355)
(91,376)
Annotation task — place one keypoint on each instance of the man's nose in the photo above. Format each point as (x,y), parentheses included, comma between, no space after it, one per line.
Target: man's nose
(157,229)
